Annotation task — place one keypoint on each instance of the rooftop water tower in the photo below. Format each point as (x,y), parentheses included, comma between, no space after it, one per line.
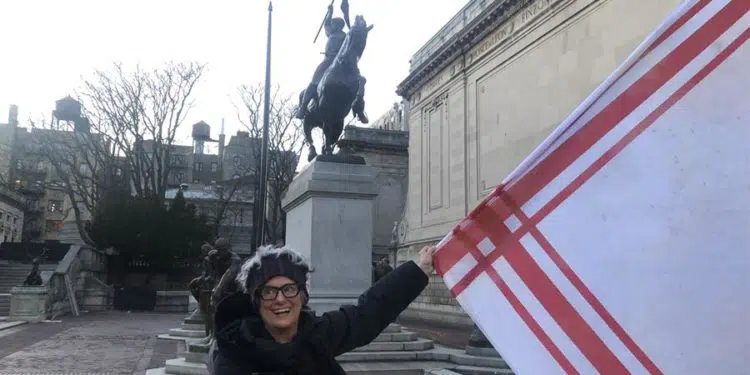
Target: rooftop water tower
(67,109)
(201,135)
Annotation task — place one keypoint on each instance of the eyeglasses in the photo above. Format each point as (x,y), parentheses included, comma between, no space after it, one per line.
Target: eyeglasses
(269,293)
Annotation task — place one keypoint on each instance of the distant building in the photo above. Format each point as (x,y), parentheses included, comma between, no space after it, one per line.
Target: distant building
(393,119)
(12,208)
(232,199)
(204,175)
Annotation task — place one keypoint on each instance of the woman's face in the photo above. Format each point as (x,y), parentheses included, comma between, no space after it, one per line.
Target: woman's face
(281,302)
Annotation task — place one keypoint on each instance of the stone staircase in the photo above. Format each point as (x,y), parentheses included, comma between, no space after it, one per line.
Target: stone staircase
(11,274)
(395,351)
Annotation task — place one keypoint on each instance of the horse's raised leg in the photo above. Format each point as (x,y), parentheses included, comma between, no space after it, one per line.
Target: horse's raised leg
(307,128)
(332,132)
(358,107)
(311,153)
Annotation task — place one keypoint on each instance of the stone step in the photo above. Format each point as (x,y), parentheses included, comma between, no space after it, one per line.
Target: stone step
(179,366)
(396,337)
(455,356)
(393,368)
(192,333)
(392,328)
(359,356)
(4,304)
(9,325)
(195,357)
(197,320)
(193,326)
(395,346)
(157,371)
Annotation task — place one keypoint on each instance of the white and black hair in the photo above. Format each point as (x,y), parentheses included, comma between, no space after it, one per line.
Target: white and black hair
(268,262)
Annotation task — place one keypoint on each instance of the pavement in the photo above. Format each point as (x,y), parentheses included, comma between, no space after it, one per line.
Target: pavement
(117,342)
(94,343)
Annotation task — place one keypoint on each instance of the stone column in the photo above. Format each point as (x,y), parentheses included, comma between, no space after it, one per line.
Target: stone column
(329,209)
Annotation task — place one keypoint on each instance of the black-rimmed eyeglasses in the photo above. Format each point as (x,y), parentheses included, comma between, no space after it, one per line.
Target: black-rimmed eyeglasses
(269,293)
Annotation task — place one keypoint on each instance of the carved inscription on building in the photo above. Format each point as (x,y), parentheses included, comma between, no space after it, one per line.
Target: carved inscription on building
(524,17)
(435,83)
(520,19)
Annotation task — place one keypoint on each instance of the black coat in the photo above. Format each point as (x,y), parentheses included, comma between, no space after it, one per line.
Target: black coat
(244,346)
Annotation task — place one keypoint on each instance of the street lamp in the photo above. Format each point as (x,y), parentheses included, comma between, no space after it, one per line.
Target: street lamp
(260,232)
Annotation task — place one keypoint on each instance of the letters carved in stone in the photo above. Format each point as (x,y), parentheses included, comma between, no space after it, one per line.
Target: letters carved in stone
(511,26)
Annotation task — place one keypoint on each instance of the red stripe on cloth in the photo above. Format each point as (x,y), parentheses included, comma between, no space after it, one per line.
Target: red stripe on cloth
(591,171)
(667,33)
(533,325)
(570,150)
(547,293)
(471,247)
(566,316)
(678,24)
(486,267)
(448,255)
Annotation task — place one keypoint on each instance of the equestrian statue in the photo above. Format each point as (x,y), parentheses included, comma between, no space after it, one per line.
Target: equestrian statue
(337,87)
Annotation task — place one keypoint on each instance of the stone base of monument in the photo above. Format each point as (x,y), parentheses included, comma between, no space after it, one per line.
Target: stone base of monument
(482,352)
(192,328)
(197,352)
(28,303)
(395,351)
(329,219)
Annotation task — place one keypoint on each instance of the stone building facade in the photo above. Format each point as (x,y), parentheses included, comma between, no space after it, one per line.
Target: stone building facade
(487,89)
(386,150)
(12,207)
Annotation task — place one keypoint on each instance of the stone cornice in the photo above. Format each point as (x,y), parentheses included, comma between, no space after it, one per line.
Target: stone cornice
(473,33)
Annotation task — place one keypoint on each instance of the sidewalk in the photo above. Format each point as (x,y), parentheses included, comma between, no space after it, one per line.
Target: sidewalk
(94,343)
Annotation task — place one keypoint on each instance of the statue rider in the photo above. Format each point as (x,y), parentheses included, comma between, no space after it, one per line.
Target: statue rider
(334,28)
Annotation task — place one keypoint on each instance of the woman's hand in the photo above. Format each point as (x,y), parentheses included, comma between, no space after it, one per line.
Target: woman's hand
(425,259)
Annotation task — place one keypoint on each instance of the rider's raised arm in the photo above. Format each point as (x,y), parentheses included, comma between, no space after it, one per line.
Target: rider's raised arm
(327,22)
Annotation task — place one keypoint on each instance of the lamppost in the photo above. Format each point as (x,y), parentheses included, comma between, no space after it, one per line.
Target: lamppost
(263,180)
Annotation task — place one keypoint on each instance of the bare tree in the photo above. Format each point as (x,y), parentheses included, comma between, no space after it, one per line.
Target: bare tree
(285,141)
(131,118)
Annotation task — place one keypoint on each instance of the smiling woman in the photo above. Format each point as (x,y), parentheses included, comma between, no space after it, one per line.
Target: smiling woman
(268,327)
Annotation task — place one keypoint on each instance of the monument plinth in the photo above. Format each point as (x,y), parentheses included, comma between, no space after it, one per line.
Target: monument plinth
(329,219)
(28,303)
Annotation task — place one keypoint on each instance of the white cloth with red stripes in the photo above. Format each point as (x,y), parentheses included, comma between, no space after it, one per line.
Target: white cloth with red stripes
(621,244)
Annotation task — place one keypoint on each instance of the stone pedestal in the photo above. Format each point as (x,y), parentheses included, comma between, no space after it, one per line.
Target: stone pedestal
(329,219)
(28,303)
(479,345)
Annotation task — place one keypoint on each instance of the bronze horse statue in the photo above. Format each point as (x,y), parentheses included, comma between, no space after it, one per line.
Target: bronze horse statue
(340,91)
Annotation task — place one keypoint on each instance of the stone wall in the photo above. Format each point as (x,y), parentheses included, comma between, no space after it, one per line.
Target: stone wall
(485,94)
(386,151)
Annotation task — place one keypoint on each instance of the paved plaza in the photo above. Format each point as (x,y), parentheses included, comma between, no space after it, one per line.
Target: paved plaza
(93,343)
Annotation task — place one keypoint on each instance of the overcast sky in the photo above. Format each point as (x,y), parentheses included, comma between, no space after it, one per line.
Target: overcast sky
(47,45)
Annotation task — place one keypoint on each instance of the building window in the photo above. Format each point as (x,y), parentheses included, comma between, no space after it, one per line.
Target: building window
(198,167)
(214,167)
(54,206)
(15,219)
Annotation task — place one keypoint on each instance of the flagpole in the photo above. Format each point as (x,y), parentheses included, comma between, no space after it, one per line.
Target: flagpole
(263,180)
